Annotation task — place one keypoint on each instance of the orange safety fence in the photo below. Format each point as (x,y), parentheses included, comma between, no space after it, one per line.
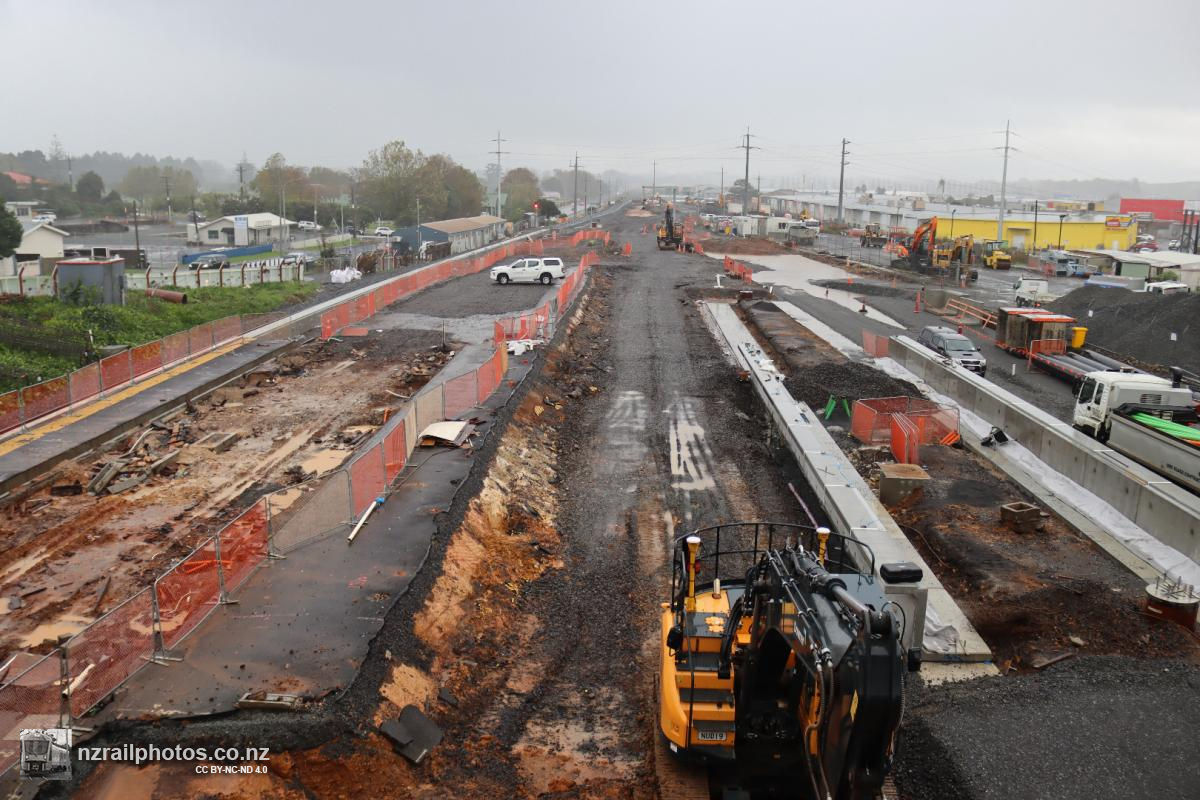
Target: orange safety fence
(147,358)
(10,410)
(226,328)
(395,450)
(869,419)
(244,544)
(200,339)
(85,383)
(737,269)
(175,347)
(45,397)
(31,697)
(103,655)
(115,370)
(368,478)
(937,425)
(460,394)
(905,448)
(875,345)
(187,593)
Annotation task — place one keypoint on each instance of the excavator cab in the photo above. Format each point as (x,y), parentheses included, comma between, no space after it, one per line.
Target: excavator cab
(781,657)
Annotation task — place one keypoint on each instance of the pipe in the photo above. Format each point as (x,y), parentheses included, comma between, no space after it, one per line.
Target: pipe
(363,519)
(167,294)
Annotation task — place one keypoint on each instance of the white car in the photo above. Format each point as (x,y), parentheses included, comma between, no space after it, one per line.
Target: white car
(528,270)
(45,216)
(383,230)
(308,225)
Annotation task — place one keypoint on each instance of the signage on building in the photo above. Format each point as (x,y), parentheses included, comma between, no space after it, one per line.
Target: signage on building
(1116,222)
(241,222)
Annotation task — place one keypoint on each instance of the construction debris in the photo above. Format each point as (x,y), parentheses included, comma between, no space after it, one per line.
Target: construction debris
(446,434)
(270,701)
(66,489)
(413,735)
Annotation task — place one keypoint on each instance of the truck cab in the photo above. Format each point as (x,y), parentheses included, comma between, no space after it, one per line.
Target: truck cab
(1102,392)
(1033,292)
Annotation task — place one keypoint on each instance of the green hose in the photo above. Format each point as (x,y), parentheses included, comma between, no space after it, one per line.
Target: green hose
(1191,435)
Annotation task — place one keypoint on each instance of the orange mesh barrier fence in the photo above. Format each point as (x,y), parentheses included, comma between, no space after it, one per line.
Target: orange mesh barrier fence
(199,339)
(175,347)
(107,652)
(115,370)
(226,329)
(459,395)
(85,383)
(45,397)
(244,544)
(31,697)
(395,452)
(146,358)
(935,425)
(904,440)
(367,478)
(187,593)
(10,410)
(875,345)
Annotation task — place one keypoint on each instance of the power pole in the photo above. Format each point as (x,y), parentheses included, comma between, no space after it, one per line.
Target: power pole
(721,196)
(70,174)
(575,190)
(653,179)
(1003,185)
(760,191)
(746,179)
(241,171)
(499,175)
(585,188)
(842,184)
(167,184)
(137,238)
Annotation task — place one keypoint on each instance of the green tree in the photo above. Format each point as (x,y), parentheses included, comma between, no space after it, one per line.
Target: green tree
(90,187)
(521,187)
(547,207)
(10,233)
(277,179)
(141,183)
(464,192)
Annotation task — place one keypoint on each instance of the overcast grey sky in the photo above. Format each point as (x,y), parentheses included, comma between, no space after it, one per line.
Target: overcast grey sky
(1103,88)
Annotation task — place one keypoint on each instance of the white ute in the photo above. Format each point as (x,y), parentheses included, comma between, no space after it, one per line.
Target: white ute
(528,270)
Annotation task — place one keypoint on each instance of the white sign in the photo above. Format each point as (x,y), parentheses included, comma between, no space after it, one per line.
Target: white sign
(241,222)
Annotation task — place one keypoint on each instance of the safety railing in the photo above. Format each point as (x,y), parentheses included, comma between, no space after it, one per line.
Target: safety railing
(875,345)
(925,422)
(737,269)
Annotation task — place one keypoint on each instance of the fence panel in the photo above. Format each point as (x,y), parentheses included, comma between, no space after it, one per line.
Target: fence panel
(31,699)
(227,328)
(147,358)
(175,347)
(301,513)
(395,452)
(85,383)
(47,396)
(367,478)
(115,370)
(188,593)
(429,408)
(200,338)
(412,432)
(904,440)
(110,650)
(244,544)
(460,395)
(10,410)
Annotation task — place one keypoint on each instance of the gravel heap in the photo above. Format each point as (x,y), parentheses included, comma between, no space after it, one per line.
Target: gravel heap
(1139,324)
(816,382)
(1086,728)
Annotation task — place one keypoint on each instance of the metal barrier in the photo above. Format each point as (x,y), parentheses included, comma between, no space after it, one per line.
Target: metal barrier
(904,440)
(875,345)
(872,421)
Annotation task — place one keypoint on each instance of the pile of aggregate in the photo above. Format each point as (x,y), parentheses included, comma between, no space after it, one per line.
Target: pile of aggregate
(1139,324)
(1086,728)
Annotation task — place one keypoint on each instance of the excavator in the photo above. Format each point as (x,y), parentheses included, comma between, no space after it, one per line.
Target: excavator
(921,253)
(961,250)
(781,660)
(670,235)
(995,254)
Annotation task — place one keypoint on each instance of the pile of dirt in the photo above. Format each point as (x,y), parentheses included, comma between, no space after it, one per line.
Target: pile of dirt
(1139,324)
(749,246)
(816,383)
(859,287)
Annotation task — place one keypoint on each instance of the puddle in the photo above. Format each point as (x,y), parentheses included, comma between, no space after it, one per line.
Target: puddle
(796,272)
(323,461)
(689,453)
(68,625)
(20,567)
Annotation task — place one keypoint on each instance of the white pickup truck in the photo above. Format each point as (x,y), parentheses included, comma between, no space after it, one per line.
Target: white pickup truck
(1033,292)
(528,270)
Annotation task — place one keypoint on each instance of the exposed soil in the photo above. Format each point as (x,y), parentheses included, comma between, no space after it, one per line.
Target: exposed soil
(748,246)
(296,416)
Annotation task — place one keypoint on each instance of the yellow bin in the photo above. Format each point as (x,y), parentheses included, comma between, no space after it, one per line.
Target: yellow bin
(1078,336)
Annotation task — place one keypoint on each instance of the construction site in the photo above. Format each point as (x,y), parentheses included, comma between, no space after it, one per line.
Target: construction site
(701,519)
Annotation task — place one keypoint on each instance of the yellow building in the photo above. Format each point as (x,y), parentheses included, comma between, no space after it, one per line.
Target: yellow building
(1098,231)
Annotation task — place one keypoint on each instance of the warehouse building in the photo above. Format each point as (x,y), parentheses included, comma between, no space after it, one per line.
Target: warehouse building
(1023,229)
(464,233)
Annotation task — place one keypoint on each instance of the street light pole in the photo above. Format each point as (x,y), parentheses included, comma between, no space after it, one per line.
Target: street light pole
(953,211)
(1035,220)
(1061,217)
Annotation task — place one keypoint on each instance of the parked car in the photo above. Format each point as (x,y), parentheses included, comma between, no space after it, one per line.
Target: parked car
(953,345)
(45,216)
(209,262)
(308,225)
(1145,247)
(353,231)
(1173,244)
(383,230)
(308,259)
(528,270)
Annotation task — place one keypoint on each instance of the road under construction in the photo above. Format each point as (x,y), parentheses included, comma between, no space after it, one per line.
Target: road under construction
(511,599)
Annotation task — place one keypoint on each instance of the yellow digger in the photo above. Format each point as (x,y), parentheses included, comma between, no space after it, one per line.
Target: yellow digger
(781,658)
(961,250)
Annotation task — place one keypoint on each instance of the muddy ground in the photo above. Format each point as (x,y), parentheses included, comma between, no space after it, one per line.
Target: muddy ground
(296,416)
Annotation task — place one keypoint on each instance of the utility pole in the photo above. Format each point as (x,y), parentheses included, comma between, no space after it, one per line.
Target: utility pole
(70,174)
(499,174)
(167,184)
(746,179)
(760,191)
(653,179)
(842,184)
(1004,185)
(241,171)
(137,239)
(195,219)
(721,196)
(575,190)
(585,188)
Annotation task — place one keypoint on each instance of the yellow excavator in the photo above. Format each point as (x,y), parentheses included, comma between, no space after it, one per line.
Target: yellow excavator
(961,250)
(782,659)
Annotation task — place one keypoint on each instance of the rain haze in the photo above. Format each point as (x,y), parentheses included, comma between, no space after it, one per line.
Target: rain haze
(922,92)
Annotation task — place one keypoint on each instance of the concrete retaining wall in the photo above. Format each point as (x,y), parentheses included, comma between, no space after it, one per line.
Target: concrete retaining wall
(1166,511)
